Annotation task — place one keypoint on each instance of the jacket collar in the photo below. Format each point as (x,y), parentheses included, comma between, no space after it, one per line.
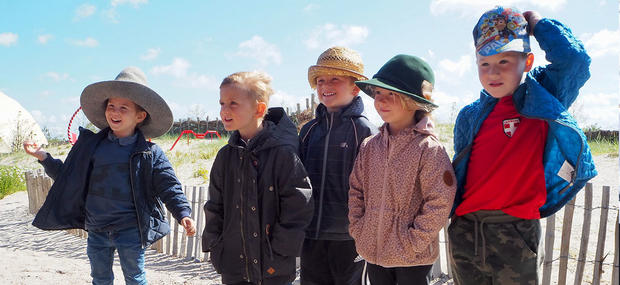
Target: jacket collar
(354,109)
(422,127)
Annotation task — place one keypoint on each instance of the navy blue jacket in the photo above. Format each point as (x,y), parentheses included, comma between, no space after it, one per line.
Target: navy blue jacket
(259,205)
(328,148)
(152,181)
(546,95)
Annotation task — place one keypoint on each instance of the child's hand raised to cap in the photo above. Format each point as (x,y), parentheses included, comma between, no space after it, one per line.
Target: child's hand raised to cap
(532,18)
(188,224)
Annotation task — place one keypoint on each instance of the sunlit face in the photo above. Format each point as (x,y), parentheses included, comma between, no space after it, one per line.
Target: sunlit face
(123,116)
(390,107)
(238,110)
(336,92)
(500,74)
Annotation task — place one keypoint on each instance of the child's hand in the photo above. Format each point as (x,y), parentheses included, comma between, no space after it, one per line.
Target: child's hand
(188,224)
(32,148)
(532,18)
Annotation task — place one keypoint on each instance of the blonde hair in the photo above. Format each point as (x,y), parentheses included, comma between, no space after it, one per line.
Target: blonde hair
(256,83)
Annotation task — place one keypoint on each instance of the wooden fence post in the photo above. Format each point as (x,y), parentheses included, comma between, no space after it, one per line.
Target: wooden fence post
(585,234)
(548,261)
(565,244)
(614,271)
(600,246)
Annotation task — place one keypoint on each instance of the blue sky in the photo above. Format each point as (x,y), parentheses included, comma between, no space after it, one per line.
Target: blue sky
(51,50)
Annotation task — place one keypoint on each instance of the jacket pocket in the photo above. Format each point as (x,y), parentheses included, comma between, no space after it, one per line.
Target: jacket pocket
(216,254)
(276,265)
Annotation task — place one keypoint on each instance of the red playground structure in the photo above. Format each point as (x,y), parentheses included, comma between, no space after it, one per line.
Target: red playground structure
(196,136)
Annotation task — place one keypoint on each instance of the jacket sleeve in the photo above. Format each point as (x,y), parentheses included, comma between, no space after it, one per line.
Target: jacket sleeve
(295,205)
(438,185)
(214,207)
(356,195)
(168,187)
(570,64)
(52,166)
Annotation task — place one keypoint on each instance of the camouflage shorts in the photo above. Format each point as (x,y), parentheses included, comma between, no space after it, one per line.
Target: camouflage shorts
(501,253)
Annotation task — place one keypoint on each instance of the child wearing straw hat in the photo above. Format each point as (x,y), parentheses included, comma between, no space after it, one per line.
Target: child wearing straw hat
(402,184)
(113,182)
(259,194)
(519,155)
(329,145)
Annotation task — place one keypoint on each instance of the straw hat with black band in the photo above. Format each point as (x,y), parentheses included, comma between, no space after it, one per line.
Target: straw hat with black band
(339,61)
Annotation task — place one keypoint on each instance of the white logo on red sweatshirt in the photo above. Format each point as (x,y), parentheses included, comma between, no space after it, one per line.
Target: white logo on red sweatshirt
(510,126)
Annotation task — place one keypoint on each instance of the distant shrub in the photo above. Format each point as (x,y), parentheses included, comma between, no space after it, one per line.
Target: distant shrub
(11,180)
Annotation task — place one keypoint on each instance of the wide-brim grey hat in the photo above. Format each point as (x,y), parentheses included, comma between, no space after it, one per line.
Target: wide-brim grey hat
(129,84)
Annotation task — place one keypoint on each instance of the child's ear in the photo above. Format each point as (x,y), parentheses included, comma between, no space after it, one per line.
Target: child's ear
(141,116)
(356,90)
(529,62)
(261,108)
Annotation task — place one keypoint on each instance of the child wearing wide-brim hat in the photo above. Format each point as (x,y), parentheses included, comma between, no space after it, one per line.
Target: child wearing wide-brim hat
(113,182)
(402,184)
(329,145)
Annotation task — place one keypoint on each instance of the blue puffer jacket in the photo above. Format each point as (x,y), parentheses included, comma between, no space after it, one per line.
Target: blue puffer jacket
(546,94)
(152,181)
(328,148)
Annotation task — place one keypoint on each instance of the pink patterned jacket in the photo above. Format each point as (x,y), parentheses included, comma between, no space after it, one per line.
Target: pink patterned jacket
(402,189)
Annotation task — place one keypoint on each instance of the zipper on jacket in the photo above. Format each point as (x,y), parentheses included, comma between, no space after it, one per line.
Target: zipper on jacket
(330,123)
(133,193)
(245,253)
(577,164)
(382,208)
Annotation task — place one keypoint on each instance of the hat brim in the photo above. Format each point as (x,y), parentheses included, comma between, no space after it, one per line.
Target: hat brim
(94,96)
(318,70)
(367,85)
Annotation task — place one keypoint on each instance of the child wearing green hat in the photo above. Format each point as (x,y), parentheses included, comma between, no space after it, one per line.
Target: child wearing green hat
(402,184)
(519,155)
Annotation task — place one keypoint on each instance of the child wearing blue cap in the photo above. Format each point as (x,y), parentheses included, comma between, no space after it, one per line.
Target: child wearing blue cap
(519,155)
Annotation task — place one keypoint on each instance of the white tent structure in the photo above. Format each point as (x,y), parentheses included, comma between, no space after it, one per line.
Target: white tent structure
(17,124)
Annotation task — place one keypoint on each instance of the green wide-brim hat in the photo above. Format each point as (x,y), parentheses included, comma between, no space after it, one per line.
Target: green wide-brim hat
(405,74)
(130,84)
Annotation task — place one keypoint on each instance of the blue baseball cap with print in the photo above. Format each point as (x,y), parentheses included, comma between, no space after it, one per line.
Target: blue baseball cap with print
(501,29)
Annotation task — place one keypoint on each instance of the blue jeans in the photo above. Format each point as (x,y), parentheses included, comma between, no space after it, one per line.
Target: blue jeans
(100,250)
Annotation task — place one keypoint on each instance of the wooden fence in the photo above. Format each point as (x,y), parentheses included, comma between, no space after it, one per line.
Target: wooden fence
(594,253)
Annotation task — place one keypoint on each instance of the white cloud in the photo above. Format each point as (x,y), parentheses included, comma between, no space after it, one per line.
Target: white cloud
(8,39)
(474,8)
(178,69)
(311,7)
(111,14)
(135,3)
(84,11)
(43,118)
(457,68)
(602,43)
(282,99)
(57,76)
(329,35)
(599,109)
(151,54)
(43,39)
(261,50)
(87,42)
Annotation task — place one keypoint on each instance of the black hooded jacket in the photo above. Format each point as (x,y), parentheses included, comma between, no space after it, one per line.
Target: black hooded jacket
(259,205)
